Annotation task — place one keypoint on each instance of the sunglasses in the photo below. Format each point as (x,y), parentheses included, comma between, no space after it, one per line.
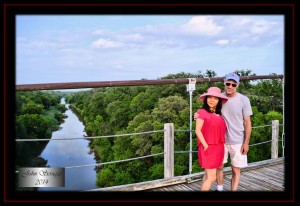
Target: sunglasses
(228,84)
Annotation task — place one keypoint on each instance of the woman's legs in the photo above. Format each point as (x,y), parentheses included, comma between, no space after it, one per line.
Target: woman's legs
(209,177)
(204,178)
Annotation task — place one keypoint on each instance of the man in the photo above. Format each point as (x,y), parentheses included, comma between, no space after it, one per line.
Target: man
(236,113)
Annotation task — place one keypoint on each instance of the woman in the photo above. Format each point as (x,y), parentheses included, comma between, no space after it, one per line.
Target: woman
(210,132)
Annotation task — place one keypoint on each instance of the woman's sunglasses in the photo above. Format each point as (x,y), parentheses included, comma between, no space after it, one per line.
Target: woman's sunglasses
(228,84)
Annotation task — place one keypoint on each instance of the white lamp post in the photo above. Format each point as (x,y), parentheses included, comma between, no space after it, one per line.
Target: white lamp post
(190,88)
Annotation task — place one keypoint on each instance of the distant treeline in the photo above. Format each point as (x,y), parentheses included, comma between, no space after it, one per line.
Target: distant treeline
(135,109)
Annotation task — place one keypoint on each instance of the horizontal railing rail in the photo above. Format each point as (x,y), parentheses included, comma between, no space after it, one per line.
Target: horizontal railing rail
(80,85)
(95,137)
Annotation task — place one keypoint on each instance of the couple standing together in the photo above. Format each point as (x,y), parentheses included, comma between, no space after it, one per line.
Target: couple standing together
(223,129)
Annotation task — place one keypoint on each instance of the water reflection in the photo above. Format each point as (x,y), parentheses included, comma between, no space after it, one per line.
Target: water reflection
(67,153)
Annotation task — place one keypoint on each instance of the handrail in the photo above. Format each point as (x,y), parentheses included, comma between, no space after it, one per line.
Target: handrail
(80,85)
(95,137)
(117,135)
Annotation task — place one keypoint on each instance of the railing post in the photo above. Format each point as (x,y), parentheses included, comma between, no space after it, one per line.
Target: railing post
(275,133)
(168,150)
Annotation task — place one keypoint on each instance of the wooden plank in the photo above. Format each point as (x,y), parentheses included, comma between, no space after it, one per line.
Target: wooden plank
(266,179)
(195,186)
(272,182)
(186,188)
(252,184)
(276,174)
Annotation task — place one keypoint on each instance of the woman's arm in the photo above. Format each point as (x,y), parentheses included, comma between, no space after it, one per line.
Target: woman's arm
(199,124)
(196,115)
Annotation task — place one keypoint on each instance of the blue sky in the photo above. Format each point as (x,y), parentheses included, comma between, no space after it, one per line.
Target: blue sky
(85,48)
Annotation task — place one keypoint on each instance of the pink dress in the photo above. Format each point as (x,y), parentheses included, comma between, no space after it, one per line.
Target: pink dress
(213,130)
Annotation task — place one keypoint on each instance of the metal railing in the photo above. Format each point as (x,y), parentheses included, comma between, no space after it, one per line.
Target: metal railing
(168,146)
(81,85)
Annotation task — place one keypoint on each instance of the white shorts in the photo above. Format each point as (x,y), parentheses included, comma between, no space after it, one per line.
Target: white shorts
(236,157)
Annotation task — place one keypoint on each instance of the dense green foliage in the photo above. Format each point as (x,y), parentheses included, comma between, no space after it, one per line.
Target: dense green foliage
(37,115)
(129,110)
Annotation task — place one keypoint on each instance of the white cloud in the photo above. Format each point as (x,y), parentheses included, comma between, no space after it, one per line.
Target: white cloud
(100,32)
(131,37)
(222,42)
(261,26)
(149,28)
(254,26)
(239,22)
(40,44)
(103,43)
(202,25)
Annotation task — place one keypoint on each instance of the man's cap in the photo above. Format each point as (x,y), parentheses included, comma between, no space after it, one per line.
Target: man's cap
(232,76)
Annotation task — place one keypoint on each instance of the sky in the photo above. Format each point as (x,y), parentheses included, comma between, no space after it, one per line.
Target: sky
(88,48)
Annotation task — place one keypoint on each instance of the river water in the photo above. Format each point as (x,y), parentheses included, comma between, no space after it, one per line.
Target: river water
(69,153)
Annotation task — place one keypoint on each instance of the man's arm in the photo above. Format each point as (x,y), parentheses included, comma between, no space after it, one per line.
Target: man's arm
(248,130)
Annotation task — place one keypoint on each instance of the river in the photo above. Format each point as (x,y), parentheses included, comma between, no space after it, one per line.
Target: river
(68,153)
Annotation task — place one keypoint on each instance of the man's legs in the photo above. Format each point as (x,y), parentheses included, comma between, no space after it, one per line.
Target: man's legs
(236,175)
(238,161)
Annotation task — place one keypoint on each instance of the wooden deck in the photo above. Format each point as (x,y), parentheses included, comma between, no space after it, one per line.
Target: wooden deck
(267,175)
(266,178)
